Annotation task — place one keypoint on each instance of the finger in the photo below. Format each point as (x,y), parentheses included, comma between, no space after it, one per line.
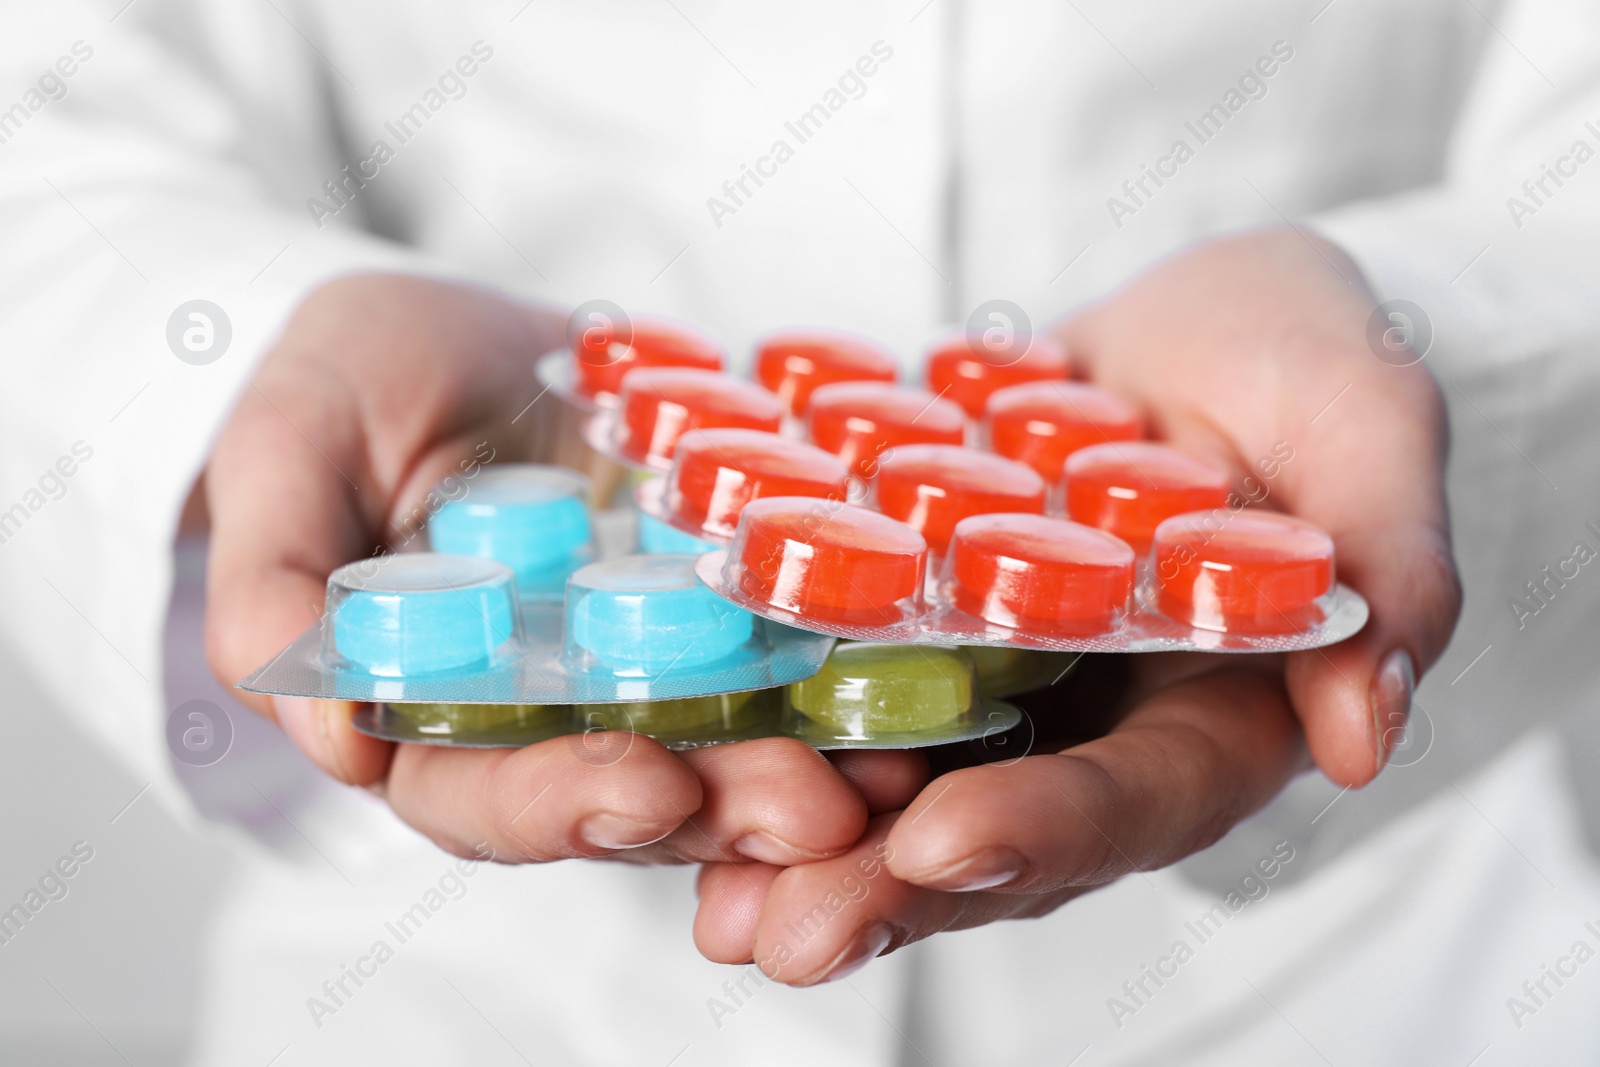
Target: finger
(1392,542)
(1331,433)
(313,461)
(1173,777)
(824,921)
(322,730)
(588,795)
(886,780)
(996,842)
(776,800)
(731,896)
(266,576)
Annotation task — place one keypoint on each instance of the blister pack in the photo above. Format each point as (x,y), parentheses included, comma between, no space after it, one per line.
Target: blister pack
(448,649)
(604,348)
(1242,582)
(683,722)
(430,628)
(864,696)
(835,556)
(838,391)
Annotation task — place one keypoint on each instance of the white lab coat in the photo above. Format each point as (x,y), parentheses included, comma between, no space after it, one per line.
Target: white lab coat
(585,156)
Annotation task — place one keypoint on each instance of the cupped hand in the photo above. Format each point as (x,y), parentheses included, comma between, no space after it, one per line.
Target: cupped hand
(1197,747)
(379,387)
(1253,351)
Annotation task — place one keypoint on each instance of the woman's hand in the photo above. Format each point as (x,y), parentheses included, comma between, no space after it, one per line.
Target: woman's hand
(1234,350)
(379,387)
(1197,753)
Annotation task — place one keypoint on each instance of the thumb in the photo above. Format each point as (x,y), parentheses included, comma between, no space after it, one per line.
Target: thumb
(266,573)
(1374,479)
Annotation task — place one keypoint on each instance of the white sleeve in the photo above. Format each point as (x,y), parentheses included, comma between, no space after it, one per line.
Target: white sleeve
(135,178)
(1501,253)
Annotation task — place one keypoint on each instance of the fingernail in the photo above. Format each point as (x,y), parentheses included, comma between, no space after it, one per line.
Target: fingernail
(863,948)
(768,848)
(1391,701)
(983,869)
(605,830)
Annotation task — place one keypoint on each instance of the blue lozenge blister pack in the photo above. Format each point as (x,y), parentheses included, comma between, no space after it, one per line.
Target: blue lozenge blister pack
(517,634)
(431,627)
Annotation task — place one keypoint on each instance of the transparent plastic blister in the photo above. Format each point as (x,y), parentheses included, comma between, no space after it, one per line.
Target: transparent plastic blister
(893,696)
(793,364)
(1128,488)
(533,518)
(1216,581)
(604,348)
(420,615)
(932,487)
(436,629)
(860,422)
(657,406)
(968,369)
(716,473)
(1042,423)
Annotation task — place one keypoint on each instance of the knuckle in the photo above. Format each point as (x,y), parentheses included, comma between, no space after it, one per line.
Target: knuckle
(1438,594)
(221,646)
(1101,803)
